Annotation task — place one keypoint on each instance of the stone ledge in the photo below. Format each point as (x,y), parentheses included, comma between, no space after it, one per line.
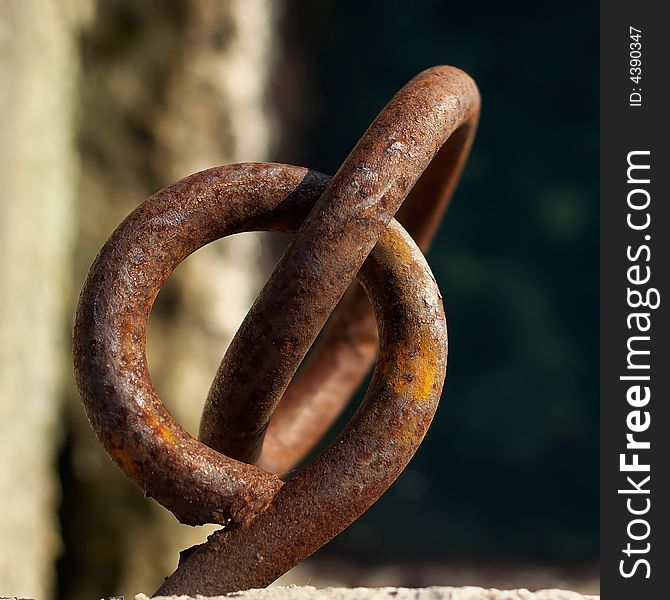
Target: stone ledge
(430,593)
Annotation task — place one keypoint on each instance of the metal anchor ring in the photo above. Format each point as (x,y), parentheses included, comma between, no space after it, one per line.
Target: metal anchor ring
(429,123)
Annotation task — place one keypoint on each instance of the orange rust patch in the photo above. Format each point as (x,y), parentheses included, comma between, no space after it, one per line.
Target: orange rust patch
(398,245)
(127,463)
(407,435)
(164,433)
(423,367)
(425,370)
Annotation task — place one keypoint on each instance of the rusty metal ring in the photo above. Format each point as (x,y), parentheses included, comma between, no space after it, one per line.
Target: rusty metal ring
(366,458)
(170,465)
(197,483)
(412,154)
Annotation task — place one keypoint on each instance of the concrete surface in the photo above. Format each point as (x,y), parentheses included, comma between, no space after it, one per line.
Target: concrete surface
(429,593)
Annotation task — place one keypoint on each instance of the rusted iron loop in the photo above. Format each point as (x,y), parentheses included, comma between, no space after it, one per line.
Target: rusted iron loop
(413,152)
(338,224)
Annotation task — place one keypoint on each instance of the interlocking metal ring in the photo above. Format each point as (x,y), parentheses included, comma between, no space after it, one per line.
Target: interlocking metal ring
(256,412)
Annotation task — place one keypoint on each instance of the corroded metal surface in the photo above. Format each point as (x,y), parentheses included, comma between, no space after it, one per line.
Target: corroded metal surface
(332,244)
(414,151)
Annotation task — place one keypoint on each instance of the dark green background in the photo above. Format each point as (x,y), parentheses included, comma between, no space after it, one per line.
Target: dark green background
(510,466)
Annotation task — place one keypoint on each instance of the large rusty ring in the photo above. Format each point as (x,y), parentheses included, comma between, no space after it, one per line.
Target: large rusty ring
(413,152)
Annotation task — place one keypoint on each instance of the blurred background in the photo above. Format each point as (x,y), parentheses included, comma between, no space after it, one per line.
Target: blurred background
(103,102)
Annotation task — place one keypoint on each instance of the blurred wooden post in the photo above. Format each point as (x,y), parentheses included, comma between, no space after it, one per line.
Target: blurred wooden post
(93,120)
(38,70)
